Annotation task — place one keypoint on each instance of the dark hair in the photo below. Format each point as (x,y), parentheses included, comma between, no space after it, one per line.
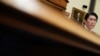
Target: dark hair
(92,13)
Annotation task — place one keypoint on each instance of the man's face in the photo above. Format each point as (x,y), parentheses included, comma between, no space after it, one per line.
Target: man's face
(91,22)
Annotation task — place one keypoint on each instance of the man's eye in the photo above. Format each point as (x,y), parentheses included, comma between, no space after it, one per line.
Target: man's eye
(94,20)
(91,19)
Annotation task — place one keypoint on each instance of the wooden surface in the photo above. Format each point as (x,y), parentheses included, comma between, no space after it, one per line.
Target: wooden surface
(60,3)
(51,16)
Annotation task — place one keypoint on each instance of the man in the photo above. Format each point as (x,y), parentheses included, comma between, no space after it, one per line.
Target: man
(90,20)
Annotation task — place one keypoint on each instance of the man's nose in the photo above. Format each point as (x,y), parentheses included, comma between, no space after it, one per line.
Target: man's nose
(93,22)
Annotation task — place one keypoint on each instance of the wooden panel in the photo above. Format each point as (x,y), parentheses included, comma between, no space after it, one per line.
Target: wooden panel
(61,3)
(52,17)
